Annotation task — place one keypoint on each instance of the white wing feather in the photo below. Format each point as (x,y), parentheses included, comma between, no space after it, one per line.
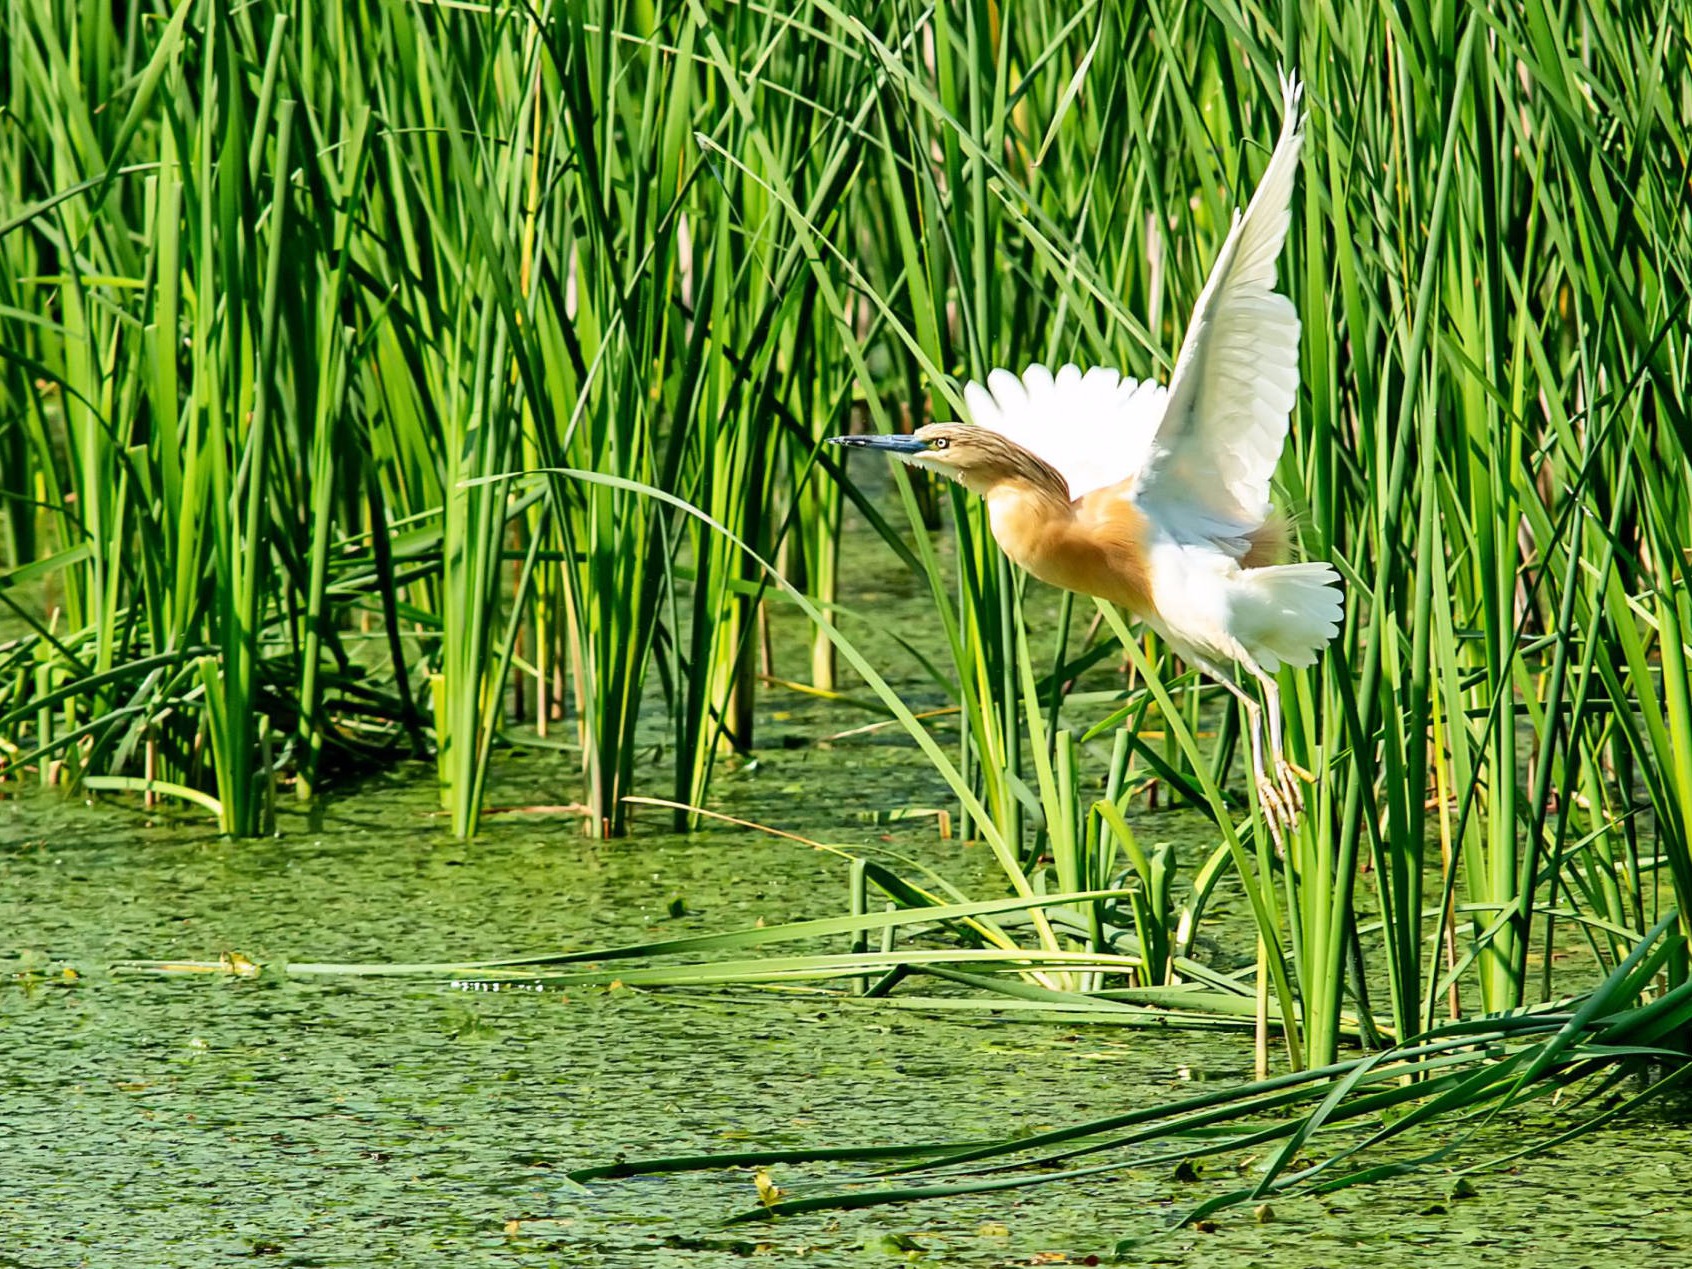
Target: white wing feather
(1094,429)
(1236,379)
(1205,447)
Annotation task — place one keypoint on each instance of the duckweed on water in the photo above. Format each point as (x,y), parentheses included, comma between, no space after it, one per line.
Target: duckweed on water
(197,1119)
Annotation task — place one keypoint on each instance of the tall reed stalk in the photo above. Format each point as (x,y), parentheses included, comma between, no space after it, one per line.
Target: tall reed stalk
(289,301)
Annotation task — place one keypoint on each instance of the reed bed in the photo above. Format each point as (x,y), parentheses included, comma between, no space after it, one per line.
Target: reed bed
(385,379)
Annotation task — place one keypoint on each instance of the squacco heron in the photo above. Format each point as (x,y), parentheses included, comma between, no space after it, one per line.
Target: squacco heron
(1157,498)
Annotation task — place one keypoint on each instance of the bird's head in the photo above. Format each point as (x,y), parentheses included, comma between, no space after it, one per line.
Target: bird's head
(976,457)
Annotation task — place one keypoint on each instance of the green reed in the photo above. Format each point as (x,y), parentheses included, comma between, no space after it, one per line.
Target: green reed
(290,300)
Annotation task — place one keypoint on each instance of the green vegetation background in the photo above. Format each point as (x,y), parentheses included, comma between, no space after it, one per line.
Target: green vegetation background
(369,367)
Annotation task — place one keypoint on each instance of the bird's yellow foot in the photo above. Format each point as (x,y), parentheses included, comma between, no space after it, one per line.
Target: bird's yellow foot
(1280,812)
(1288,778)
(1281,799)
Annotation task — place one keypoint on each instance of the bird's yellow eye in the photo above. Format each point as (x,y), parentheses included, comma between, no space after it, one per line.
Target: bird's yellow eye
(939,442)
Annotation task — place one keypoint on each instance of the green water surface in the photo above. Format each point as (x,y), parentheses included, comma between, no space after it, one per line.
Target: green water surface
(206,1120)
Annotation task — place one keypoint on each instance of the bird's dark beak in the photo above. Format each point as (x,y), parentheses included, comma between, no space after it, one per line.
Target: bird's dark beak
(890,444)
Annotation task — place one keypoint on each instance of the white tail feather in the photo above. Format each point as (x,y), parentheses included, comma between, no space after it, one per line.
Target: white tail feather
(1287,613)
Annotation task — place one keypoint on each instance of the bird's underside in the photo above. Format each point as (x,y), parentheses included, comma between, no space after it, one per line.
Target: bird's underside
(1157,498)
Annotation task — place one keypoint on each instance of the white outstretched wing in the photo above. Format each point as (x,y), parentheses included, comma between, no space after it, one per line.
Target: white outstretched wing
(1094,429)
(1237,376)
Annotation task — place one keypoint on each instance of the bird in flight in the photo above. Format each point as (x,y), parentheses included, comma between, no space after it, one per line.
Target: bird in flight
(1157,498)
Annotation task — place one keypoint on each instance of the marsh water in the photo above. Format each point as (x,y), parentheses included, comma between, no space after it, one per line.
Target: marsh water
(202,1119)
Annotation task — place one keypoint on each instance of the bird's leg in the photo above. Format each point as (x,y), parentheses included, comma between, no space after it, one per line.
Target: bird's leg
(1277,812)
(1288,777)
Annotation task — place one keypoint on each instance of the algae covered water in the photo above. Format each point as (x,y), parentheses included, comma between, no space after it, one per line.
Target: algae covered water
(201,1119)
